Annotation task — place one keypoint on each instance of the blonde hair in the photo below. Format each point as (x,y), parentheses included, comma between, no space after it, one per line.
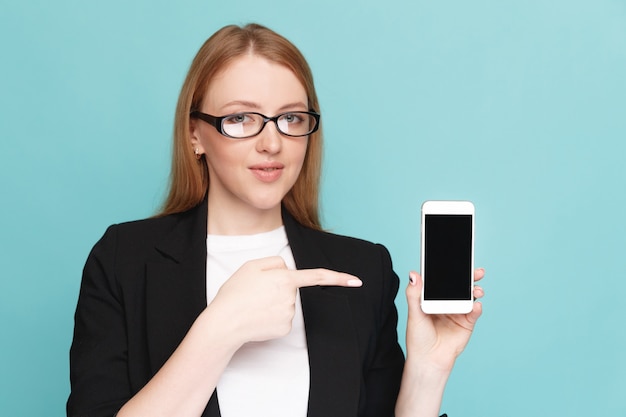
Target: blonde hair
(189,178)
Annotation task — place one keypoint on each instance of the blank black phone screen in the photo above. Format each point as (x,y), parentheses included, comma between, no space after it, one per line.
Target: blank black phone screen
(448,257)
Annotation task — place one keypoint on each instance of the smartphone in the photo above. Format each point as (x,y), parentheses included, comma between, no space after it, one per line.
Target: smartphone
(447,257)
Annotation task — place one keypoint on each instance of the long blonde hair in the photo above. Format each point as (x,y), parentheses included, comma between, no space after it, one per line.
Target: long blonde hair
(189,178)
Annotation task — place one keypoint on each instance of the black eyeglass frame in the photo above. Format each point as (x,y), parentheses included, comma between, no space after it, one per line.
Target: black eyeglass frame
(218,121)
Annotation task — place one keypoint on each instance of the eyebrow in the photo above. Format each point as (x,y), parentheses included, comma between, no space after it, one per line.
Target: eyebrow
(255,106)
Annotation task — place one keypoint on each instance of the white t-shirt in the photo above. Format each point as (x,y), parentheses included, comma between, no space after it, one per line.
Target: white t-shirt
(263,379)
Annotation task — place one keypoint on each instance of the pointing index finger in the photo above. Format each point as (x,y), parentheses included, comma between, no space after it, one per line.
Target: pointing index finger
(325,277)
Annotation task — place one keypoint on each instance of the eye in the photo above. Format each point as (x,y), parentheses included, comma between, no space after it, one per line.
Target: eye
(239,118)
(293,118)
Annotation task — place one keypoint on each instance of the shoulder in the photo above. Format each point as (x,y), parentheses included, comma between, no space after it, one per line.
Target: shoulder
(139,231)
(330,243)
(152,227)
(141,239)
(333,242)
(315,248)
(368,260)
(324,240)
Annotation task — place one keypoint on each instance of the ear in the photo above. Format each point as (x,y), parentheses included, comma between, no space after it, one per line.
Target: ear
(194,137)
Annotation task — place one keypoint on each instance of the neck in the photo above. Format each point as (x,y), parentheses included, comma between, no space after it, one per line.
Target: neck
(242,220)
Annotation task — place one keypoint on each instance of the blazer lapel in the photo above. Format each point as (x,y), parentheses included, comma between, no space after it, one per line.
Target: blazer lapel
(176,289)
(330,333)
(176,284)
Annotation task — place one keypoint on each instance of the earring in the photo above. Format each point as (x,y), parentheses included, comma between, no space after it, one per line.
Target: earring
(197,153)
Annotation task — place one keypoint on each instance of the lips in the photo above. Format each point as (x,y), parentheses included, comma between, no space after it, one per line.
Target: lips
(267,171)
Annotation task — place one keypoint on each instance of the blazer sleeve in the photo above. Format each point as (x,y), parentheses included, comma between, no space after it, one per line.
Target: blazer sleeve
(99,355)
(382,379)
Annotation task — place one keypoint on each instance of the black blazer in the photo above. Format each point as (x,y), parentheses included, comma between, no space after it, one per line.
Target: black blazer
(144,284)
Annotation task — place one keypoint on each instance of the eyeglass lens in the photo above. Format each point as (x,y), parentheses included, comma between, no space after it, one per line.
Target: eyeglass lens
(250,124)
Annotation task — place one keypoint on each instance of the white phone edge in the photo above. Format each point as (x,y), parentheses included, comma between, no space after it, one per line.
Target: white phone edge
(446,207)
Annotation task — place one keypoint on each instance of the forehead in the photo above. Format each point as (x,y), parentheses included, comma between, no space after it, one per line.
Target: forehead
(255,80)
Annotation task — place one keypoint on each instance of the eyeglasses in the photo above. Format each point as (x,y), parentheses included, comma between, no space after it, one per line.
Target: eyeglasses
(248,124)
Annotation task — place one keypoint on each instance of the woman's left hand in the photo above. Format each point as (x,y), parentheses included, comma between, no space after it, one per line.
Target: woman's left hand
(435,341)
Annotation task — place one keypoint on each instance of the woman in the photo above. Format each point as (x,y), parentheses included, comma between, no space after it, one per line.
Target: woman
(232,301)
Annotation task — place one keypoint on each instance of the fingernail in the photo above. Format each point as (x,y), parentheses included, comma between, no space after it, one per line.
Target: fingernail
(355,283)
(412,278)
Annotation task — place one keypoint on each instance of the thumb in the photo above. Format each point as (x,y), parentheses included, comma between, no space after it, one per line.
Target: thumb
(414,293)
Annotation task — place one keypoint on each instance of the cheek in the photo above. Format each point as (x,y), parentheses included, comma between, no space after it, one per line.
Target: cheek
(220,153)
(301,151)
(221,163)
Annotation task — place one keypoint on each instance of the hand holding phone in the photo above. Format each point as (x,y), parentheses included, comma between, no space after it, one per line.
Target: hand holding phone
(447,257)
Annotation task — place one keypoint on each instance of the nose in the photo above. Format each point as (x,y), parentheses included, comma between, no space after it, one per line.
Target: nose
(269,140)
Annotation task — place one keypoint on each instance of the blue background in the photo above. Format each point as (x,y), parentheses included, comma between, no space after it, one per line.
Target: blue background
(518,106)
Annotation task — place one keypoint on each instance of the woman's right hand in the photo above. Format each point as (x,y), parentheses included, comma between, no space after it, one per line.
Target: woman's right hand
(257,302)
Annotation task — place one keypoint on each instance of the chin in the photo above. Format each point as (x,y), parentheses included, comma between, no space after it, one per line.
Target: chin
(263,198)
(267,202)
(266,206)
